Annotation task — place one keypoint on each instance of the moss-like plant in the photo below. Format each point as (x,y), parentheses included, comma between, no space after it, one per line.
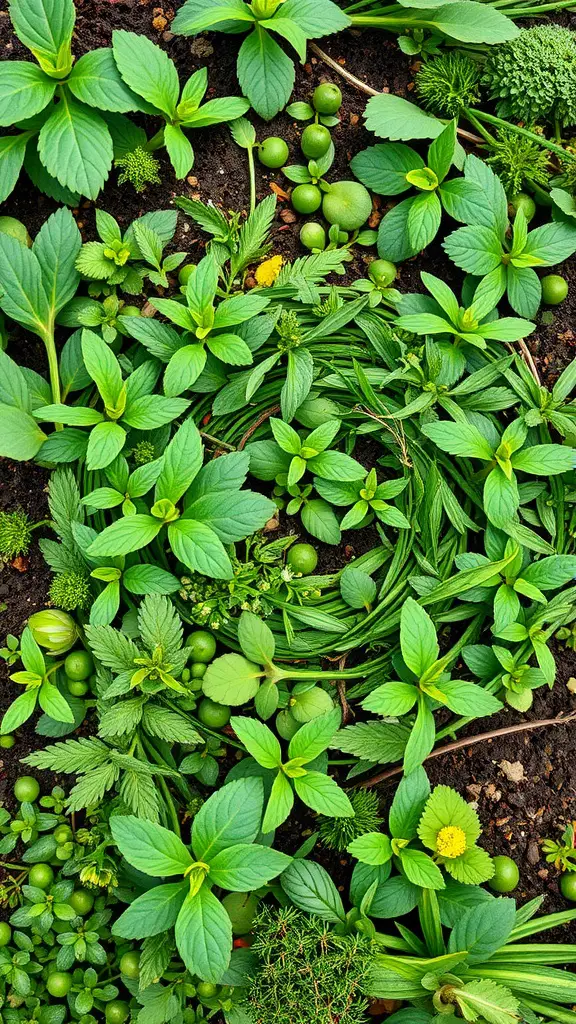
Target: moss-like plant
(449,83)
(15,533)
(337,833)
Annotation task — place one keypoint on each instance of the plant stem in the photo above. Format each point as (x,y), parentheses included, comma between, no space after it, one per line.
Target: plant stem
(252,173)
(50,346)
(156,142)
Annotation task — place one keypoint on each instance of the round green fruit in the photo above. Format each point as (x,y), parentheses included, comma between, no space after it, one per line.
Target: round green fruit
(206,990)
(79,665)
(347,204)
(198,670)
(7,742)
(568,886)
(302,558)
(524,202)
(327,98)
(130,964)
(202,646)
(241,908)
(117,1011)
(273,152)
(5,933)
(554,289)
(506,874)
(77,687)
(306,198)
(26,789)
(312,235)
(41,876)
(382,272)
(81,901)
(185,273)
(59,984)
(215,716)
(315,141)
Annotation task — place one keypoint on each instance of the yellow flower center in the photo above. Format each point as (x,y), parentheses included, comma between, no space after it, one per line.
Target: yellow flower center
(451,841)
(268,271)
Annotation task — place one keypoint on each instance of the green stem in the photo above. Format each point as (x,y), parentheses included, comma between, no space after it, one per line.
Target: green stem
(156,142)
(50,345)
(252,173)
(170,806)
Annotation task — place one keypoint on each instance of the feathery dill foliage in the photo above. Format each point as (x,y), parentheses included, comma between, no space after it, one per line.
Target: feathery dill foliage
(533,77)
(449,83)
(15,533)
(139,168)
(517,161)
(70,591)
(307,973)
(338,833)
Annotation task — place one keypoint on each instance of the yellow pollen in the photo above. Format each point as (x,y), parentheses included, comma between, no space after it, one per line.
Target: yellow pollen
(451,841)
(268,271)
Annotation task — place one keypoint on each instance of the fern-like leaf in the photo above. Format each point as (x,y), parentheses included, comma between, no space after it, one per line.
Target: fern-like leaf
(112,648)
(71,756)
(160,625)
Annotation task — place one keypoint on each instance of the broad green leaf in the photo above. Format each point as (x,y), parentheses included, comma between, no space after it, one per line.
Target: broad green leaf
(463,439)
(179,150)
(128,534)
(195,544)
(149,847)
(392,117)
(421,739)
(22,293)
(232,680)
(20,436)
(75,147)
(106,441)
(259,741)
(266,74)
(150,579)
(372,848)
(420,869)
(383,168)
(471,22)
(181,462)
(280,803)
(56,247)
(323,795)
(96,81)
(310,888)
(483,929)
(391,699)
(24,91)
(54,704)
(19,711)
(147,70)
(44,26)
(475,249)
(204,935)
(357,588)
(243,868)
(230,816)
(468,699)
(417,638)
(315,736)
(255,638)
(12,153)
(409,800)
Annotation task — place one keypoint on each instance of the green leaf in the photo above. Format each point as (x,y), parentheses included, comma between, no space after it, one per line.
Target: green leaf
(424,218)
(243,132)
(256,639)
(319,520)
(409,800)
(151,913)
(230,816)
(179,150)
(496,1004)
(22,293)
(19,711)
(391,699)
(309,887)
(501,498)
(383,168)
(21,437)
(149,579)
(12,153)
(299,376)
(357,588)
(463,439)
(243,868)
(483,929)
(471,22)
(128,534)
(474,249)
(372,848)
(24,91)
(420,869)
(149,847)
(381,742)
(279,805)
(182,461)
(315,736)
(421,739)
(183,369)
(195,544)
(44,26)
(417,638)
(259,741)
(56,247)
(266,74)
(75,147)
(204,935)
(232,680)
(96,81)
(316,17)
(54,704)
(323,795)
(392,117)
(147,70)
(106,441)
(545,459)
(468,698)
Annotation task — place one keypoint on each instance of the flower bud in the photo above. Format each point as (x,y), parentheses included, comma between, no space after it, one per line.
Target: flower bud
(265,8)
(54,629)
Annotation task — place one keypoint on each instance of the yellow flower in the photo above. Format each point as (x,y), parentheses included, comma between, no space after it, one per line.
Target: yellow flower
(268,271)
(451,841)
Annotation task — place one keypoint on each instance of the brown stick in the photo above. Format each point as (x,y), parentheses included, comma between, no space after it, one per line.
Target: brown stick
(257,423)
(358,84)
(469,741)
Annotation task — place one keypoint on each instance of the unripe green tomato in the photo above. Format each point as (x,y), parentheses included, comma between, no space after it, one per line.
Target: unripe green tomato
(568,886)
(130,964)
(315,141)
(7,742)
(198,670)
(81,901)
(306,198)
(62,834)
(286,725)
(302,558)
(117,1011)
(524,202)
(347,204)
(327,98)
(59,984)
(382,272)
(5,933)
(79,665)
(206,990)
(554,289)
(185,273)
(41,876)
(241,908)
(506,874)
(215,716)
(273,152)
(313,235)
(26,788)
(129,311)
(202,645)
(77,687)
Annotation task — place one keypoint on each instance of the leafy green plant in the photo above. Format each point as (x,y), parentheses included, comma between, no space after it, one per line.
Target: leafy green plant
(139,168)
(103,317)
(449,83)
(15,533)
(315,788)
(392,168)
(562,854)
(482,23)
(110,260)
(338,833)
(366,497)
(265,72)
(39,688)
(224,834)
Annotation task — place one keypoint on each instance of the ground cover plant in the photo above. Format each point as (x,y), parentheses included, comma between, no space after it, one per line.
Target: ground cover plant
(293,390)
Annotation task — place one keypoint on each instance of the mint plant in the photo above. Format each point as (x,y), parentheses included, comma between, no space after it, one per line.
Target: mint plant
(368,498)
(118,259)
(37,678)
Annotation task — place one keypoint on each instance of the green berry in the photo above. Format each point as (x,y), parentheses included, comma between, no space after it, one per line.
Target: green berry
(5,933)
(206,990)
(273,152)
(77,687)
(79,665)
(117,1011)
(198,670)
(26,788)
(315,141)
(382,272)
(524,202)
(313,235)
(286,725)
(302,558)
(7,742)
(41,876)
(306,198)
(202,646)
(327,98)
(554,289)
(59,984)
(347,204)
(215,716)
(568,886)
(506,874)
(81,901)
(130,964)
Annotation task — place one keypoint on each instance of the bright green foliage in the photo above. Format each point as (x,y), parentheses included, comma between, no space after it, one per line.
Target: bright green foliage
(338,833)
(562,854)
(448,83)
(71,591)
(518,162)
(117,258)
(39,688)
(15,533)
(139,168)
(307,972)
(533,77)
